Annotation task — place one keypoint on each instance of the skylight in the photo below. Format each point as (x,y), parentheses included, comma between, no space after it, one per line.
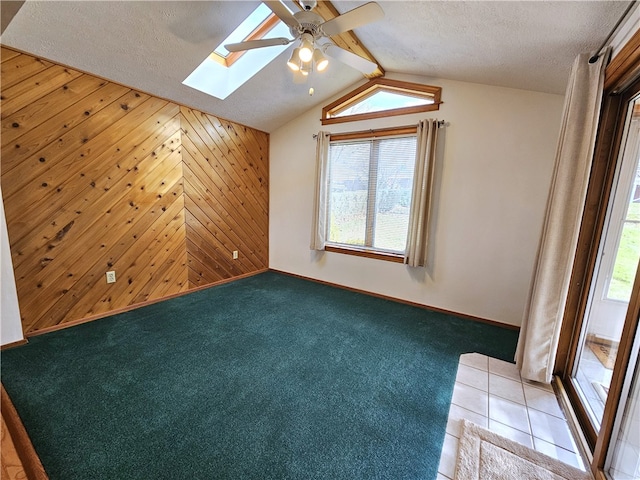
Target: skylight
(222,73)
(250,24)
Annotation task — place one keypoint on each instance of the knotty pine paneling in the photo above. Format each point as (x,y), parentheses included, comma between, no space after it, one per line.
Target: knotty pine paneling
(226,197)
(97,176)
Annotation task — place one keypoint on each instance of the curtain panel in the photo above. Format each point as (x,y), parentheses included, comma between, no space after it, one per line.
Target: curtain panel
(319,218)
(540,330)
(418,235)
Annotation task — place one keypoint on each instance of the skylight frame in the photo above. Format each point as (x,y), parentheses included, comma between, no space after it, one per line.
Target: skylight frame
(258,33)
(374,86)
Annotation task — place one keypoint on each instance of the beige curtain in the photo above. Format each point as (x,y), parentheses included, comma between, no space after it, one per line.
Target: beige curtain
(418,236)
(540,330)
(319,218)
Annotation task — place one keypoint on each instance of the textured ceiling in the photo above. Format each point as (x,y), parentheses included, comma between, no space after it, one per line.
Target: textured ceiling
(153,46)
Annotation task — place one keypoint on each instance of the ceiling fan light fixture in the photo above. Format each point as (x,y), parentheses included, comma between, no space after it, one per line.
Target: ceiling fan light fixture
(306,47)
(320,60)
(294,62)
(305,68)
(312,34)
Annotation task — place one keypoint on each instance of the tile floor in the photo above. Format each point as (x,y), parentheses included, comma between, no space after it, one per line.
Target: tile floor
(490,393)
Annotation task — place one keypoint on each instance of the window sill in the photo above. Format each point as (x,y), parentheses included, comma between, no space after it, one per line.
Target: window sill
(360,252)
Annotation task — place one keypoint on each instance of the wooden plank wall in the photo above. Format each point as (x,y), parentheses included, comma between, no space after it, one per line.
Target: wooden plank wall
(97,176)
(212,152)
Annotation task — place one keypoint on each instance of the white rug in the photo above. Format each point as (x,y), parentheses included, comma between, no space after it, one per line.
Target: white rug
(484,455)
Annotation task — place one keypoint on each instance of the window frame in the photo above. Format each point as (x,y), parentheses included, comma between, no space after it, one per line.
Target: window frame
(374,86)
(258,33)
(366,251)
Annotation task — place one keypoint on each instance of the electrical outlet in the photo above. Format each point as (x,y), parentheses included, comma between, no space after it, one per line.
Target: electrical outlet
(235,254)
(111,277)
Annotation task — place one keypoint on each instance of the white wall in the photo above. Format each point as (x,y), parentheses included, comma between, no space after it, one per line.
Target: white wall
(10,325)
(490,196)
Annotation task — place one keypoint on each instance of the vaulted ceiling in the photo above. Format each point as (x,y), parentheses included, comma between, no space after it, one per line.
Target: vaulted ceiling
(153,46)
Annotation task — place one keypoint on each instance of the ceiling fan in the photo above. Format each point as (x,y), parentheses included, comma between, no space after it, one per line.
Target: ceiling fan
(312,31)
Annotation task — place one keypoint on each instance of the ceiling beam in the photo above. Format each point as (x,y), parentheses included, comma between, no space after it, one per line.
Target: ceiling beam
(347,40)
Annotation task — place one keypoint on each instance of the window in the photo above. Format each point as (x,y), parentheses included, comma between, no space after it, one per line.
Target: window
(382,97)
(369,191)
(222,73)
(255,27)
(380,101)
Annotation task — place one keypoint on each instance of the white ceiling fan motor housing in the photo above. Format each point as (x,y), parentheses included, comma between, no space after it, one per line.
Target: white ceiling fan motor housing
(309,22)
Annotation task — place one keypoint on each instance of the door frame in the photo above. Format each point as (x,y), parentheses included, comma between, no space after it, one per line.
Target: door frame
(622,83)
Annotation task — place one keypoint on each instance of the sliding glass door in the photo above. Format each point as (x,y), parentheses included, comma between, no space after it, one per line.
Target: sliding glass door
(613,279)
(598,351)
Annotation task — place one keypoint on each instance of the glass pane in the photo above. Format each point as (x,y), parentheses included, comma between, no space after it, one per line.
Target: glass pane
(396,161)
(348,187)
(384,100)
(626,258)
(613,280)
(626,453)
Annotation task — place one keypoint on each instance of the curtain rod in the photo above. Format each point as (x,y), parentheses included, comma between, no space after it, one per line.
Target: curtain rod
(594,58)
(441,123)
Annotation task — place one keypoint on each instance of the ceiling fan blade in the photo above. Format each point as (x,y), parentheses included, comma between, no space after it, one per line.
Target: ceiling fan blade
(282,13)
(265,42)
(351,59)
(367,13)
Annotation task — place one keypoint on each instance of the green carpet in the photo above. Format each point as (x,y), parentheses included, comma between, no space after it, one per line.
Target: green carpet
(269,377)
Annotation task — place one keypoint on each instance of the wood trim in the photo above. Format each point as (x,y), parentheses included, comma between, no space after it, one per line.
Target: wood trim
(7,346)
(400,300)
(358,252)
(600,475)
(347,40)
(625,66)
(257,34)
(381,132)
(383,84)
(128,308)
(383,114)
(24,448)
(363,92)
